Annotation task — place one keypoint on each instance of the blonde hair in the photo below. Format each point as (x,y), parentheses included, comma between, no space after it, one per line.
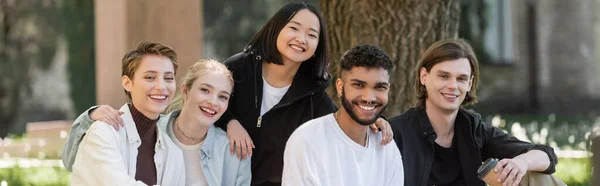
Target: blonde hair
(199,68)
(131,60)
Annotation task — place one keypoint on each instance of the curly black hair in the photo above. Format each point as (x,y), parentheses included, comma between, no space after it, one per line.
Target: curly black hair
(368,56)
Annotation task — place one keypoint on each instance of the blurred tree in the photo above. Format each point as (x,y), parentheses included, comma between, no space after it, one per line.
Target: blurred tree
(28,35)
(403,28)
(473,24)
(78,28)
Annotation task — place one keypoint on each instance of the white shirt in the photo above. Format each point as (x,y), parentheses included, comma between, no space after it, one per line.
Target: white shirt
(271,96)
(109,157)
(191,158)
(320,153)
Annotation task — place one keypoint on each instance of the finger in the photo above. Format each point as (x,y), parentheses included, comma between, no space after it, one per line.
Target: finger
(249,144)
(114,121)
(374,128)
(505,173)
(510,178)
(518,177)
(387,133)
(389,136)
(244,149)
(108,121)
(500,166)
(104,115)
(111,122)
(238,147)
(231,145)
(117,117)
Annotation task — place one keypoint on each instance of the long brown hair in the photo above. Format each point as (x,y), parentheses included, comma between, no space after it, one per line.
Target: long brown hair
(444,50)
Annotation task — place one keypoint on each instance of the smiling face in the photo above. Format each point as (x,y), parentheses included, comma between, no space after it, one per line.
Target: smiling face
(207,98)
(447,84)
(364,93)
(298,39)
(152,85)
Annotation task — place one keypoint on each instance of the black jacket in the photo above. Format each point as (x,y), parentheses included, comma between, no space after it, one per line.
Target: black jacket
(476,141)
(306,99)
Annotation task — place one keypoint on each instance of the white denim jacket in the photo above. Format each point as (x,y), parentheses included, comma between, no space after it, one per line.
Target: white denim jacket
(106,156)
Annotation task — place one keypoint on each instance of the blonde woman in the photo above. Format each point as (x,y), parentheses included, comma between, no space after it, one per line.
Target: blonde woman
(205,93)
(200,150)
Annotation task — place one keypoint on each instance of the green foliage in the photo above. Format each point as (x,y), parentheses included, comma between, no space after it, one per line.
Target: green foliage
(28,38)
(54,176)
(473,25)
(78,27)
(575,171)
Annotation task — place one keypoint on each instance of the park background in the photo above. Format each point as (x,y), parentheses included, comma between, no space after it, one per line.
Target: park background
(539,61)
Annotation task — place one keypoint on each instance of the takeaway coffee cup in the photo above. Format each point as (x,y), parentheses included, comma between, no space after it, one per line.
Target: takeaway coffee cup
(487,174)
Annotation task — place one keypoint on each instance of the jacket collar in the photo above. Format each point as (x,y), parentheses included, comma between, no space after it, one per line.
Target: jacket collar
(462,121)
(427,131)
(303,84)
(132,134)
(130,129)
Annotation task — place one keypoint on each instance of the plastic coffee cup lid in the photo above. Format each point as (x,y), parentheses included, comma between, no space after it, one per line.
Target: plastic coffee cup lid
(486,167)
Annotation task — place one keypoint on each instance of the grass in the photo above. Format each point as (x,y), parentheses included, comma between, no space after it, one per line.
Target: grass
(574,172)
(50,176)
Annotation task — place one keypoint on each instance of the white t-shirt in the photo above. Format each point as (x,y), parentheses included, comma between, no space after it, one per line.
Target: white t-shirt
(271,96)
(320,153)
(191,158)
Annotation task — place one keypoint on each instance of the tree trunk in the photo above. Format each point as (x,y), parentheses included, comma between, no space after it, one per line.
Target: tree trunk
(403,28)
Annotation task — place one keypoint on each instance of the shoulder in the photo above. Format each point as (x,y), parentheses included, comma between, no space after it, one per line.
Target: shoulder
(237,61)
(404,119)
(220,136)
(101,127)
(163,121)
(312,130)
(316,124)
(474,117)
(101,132)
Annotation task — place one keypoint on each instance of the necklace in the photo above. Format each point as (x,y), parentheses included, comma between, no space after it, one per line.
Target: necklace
(189,137)
(335,116)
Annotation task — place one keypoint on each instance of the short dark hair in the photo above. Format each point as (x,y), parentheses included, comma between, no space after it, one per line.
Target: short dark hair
(444,50)
(368,56)
(264,42)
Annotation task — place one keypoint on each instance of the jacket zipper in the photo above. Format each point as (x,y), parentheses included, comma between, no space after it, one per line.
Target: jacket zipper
(258,122)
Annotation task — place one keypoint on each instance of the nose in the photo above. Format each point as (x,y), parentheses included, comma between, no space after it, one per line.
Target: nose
(452,84)
(213,99)
(369,95)
(301,39)
(161,85)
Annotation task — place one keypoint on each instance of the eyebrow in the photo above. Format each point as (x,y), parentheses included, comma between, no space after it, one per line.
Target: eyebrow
(376,84)
(313,29)
(382,84)
(444,72)
(155,72)
(212,87)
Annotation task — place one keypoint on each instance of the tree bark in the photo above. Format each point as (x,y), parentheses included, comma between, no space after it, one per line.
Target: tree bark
(403,28)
